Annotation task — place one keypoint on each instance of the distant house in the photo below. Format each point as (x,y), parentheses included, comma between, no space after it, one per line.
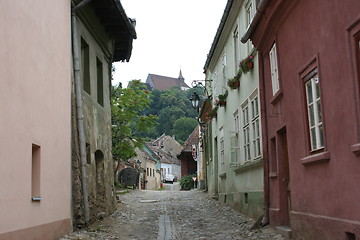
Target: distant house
(191,163)
(167,148)
(164,83)
(148,164)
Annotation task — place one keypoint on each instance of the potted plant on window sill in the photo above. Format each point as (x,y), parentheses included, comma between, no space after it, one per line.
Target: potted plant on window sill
(234,82)
(247,64)
(221,101)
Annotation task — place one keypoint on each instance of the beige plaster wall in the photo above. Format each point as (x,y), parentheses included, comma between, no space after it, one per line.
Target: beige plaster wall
(35,72)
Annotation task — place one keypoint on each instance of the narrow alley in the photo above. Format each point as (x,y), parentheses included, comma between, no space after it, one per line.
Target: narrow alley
(172,214)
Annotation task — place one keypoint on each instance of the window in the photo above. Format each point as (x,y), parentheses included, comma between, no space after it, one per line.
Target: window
(312,87)
(153,172)
(274,70)
(85,66)
(251,128)
(100,82)
(147,171)
(235,139)
(222,151)
(88,153)
(236,49)
(255,122)
(35,172)
(250,13)
(246,132)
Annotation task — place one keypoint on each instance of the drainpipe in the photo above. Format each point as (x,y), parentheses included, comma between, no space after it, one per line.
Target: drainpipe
(259,11)
(262,91)
(79,108)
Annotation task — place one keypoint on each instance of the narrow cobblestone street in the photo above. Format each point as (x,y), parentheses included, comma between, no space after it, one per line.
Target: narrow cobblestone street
(172,214)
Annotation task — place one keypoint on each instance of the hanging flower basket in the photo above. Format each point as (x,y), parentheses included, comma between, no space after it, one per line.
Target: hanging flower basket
(247,64)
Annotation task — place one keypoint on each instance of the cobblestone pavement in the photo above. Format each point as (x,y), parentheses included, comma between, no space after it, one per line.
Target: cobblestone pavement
(172,215)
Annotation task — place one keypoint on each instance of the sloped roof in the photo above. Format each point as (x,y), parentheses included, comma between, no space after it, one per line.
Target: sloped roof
(119,27)
(192,139)
(218,33)
(164,156)
(164,83)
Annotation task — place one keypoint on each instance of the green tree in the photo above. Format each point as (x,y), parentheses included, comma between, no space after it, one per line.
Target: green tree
(127,105)
(183,127)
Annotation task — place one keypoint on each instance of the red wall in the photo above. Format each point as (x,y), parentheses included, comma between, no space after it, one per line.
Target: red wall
(324,194)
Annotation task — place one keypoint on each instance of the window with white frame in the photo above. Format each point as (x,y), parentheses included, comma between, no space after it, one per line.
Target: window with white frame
(246,132)
(222,151)
(274,70)
(250,12)
(255,122)
(251,128)
(236,49)
(235,139)
(250,8)
(312,88)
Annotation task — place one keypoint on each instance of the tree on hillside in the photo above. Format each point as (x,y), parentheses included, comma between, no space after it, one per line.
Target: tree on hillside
(183,127)
(127,105)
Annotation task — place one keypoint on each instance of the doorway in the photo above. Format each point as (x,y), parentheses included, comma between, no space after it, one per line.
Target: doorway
(284,180)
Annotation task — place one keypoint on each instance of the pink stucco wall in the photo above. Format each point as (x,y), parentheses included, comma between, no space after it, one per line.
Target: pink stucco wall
(35,73)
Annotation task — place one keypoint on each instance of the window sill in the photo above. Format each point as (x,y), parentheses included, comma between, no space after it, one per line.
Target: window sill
(273,175)
(36,199)
(248,165)
(355,148)
(316,158)
(278,95)
(222,175)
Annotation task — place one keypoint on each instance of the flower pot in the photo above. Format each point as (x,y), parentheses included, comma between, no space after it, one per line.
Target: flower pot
(250,65)
(222,103)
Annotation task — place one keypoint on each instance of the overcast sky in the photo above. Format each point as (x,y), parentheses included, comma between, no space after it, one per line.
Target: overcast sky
(170,34)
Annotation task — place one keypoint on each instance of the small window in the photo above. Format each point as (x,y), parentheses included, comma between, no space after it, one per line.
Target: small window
(85,66)
(147,172)
(315,122)
(100,82)
(88,154)
(35,173)
(274,70)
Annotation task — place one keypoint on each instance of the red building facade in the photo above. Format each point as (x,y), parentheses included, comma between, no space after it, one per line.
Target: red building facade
(309,58)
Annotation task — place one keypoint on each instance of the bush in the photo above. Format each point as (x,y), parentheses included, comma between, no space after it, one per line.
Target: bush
(186,183)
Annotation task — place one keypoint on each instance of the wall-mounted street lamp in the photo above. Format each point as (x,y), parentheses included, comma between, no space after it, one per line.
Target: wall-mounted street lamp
(195,99)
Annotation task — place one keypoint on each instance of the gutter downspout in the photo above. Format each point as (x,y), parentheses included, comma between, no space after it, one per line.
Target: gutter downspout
(265,144)
(79,109)
(259,11)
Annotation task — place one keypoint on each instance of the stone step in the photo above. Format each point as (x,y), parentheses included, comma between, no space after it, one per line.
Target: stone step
(284,230)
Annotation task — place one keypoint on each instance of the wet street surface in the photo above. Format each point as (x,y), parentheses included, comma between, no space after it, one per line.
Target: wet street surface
(172,214)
